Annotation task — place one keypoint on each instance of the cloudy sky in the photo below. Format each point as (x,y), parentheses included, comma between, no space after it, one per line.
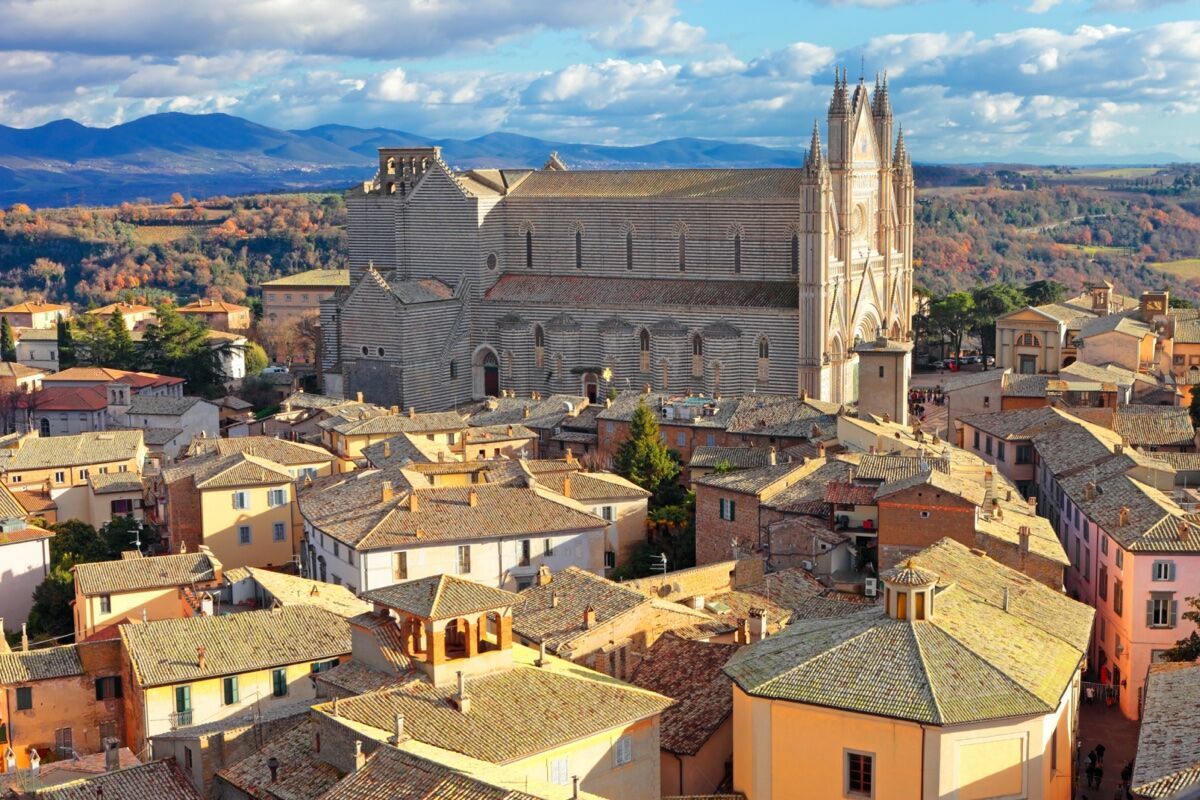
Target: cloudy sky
(1051,80)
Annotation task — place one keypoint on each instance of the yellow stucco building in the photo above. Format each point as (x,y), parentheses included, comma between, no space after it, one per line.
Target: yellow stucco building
(964,683)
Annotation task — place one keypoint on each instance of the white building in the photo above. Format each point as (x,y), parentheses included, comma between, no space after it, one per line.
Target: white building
(24,563)
(189,417)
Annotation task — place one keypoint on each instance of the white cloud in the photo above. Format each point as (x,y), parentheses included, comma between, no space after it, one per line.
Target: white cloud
(649,27)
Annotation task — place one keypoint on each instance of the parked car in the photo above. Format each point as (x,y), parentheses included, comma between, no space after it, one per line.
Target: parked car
(275,370)
(990,361)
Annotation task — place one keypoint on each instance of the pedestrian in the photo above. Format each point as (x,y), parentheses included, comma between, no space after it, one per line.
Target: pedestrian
(1099,775)
(1092,757)
(1127,780)
(1091,775)
(1099,755)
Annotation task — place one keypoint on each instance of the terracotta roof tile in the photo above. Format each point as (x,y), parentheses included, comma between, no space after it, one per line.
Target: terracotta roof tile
(157,780)
(441,597)
(39,665)
(1168,752)
(391,774)
(302,774)
(136,574)
(553,613)
(78,450)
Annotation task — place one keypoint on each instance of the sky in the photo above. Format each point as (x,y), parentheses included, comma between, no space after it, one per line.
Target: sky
(1049,81)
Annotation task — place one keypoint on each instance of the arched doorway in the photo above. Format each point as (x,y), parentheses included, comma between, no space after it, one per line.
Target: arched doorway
(486,367)
(591,387)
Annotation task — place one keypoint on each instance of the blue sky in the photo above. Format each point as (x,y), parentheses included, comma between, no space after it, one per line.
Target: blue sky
(1037,80)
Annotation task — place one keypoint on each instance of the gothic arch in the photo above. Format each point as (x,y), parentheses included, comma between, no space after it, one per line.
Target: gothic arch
(485,372)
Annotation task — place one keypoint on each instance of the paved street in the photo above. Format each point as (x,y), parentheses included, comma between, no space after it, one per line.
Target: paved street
(1099,724)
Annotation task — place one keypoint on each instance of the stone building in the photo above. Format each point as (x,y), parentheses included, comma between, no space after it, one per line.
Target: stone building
(464,284)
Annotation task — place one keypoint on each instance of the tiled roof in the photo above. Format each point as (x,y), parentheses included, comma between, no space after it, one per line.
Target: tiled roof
(1152,520)
(893,467)
(782,415)
(386,633)
(65,398)
(157,780)
(33,308)
(592,486)
(160,405)
(498,433)
(443,514)
(1184,462)
(215,471)
(136,574)
(115,482)
(280,451)
(39,665)
(309,400)
(805,597)
(418,290)
(122,308)
(211,307)
(908,574)
(514,713)
(302,773)
(407,448)
(692,674)
(750,481)
(544,413)
(1168,752)
(10,506)
(748,184)
(554,613)
(736,457)
(1124,323)
(34,501)
(106,375)
(293,590)
(1021,423)
(1109,373)
(355,677)
(26,534)
(1154,425)
(157,437)
(593,292)
(1187,331)
(429,422)
(392,774)
(261,712)
(322,278)
(1021,385)
(970,491)
(968,661)
(845,493)
(13,369)
(165,651)
(807,495)
(79,450)
(441,597)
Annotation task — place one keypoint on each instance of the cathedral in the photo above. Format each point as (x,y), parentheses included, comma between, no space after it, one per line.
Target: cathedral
(465,284)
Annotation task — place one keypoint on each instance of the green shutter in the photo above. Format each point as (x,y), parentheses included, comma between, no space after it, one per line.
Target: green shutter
(1174,609)
(1149,613)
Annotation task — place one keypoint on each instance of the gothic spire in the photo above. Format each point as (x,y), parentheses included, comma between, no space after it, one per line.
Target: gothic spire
(901,156)
(840,100)
(814,147)
(881,104)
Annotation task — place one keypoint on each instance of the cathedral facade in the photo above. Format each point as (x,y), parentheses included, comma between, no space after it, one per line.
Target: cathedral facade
(467,284)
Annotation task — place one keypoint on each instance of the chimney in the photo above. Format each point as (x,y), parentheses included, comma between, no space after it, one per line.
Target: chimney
(1123,515)
(589,618)
(398,736)
(1008,495)
(461,699)
(112,754)
(1184,530)
(544,576)
(510,430)
(570,456)
(441,456)
(987,476)
(24,639)
(742,634)
(575,789)
(201,658)
(413,505)
(394,410)
(387,449)
(1032,502)
(542,660)
(273,765)
(772,457)
(566,487)
(1119,448)
(1089,491)
(1006,599)
(554,598)
(887,417)
(472,497)
(1023,537)
(412,412)
(525,412)
(608,402)
(758,624)
(359,758)
(385,491)
(358,397)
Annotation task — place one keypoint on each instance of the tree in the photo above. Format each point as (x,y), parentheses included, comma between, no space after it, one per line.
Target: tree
(50,615)
(49,271)
(122,353)
(178,345)
(1188,648)
(1194,407)
(256,359)
(176,199)
(76,542)
(953,316)
(66,345)
(122,533)
(1044,292)
(991,302)
(8,344)
(644,459)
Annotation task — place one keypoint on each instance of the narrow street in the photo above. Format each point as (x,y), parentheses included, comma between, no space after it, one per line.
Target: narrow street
(1099,724)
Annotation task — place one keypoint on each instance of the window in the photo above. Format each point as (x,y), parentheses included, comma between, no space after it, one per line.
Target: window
(644,348)
(610,559)
(400,566)
(337,550)
(711,439)
(987,446)
(529,248)
(697,356)
(539,346)
(241,500)
(558,772)
(83,474)
(681,438)
(276,497)
(183,705)
(682,252)
(1160,610)
(860,774)
(987,401)
(607,513)
(60,477)
(578,249)
(623,751)
(924,514)
(279,684)
(279,532)
(24,698)
(523,553)
(764,359)
(629,249)
(1102,582)
(108,688)
(323,666)
(243,534)
(106,604)
(491,261)
(1028,340)
(464,559)
(976,441)
(121,508)
(548,547)
(1120,558)
(727,509)
(64,742)
(1103,544)
(453,370)
(1118,598)
(1163,571)
(229,690)
(737,252)
(187,758)
(795,254)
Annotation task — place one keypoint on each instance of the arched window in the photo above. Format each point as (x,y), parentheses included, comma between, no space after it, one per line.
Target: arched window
(391,166)
(764,359)
(795,254)
(644,347)
(697,345)
(539,346)
(1028,340)
(697,356)
(737,252)
(529,248)
(578,249)
(682,251)
(629,249)
(44,427)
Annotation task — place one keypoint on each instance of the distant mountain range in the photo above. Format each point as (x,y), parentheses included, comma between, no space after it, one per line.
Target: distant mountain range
(65,163)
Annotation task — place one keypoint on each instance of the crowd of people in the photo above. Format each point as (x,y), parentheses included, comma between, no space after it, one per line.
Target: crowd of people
(918,398)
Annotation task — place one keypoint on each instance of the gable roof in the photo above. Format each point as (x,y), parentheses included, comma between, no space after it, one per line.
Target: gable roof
(302,773)
(159,405)
(553,613)
(320,278)
(392,774)
(1154,425)
(157,780)
(968,661)
(1168,750)
(293,589)
(214,471)
(441,597)
(97,447)
(39,665)
(149,572)
(695,184)
(279,451)
(164,652)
